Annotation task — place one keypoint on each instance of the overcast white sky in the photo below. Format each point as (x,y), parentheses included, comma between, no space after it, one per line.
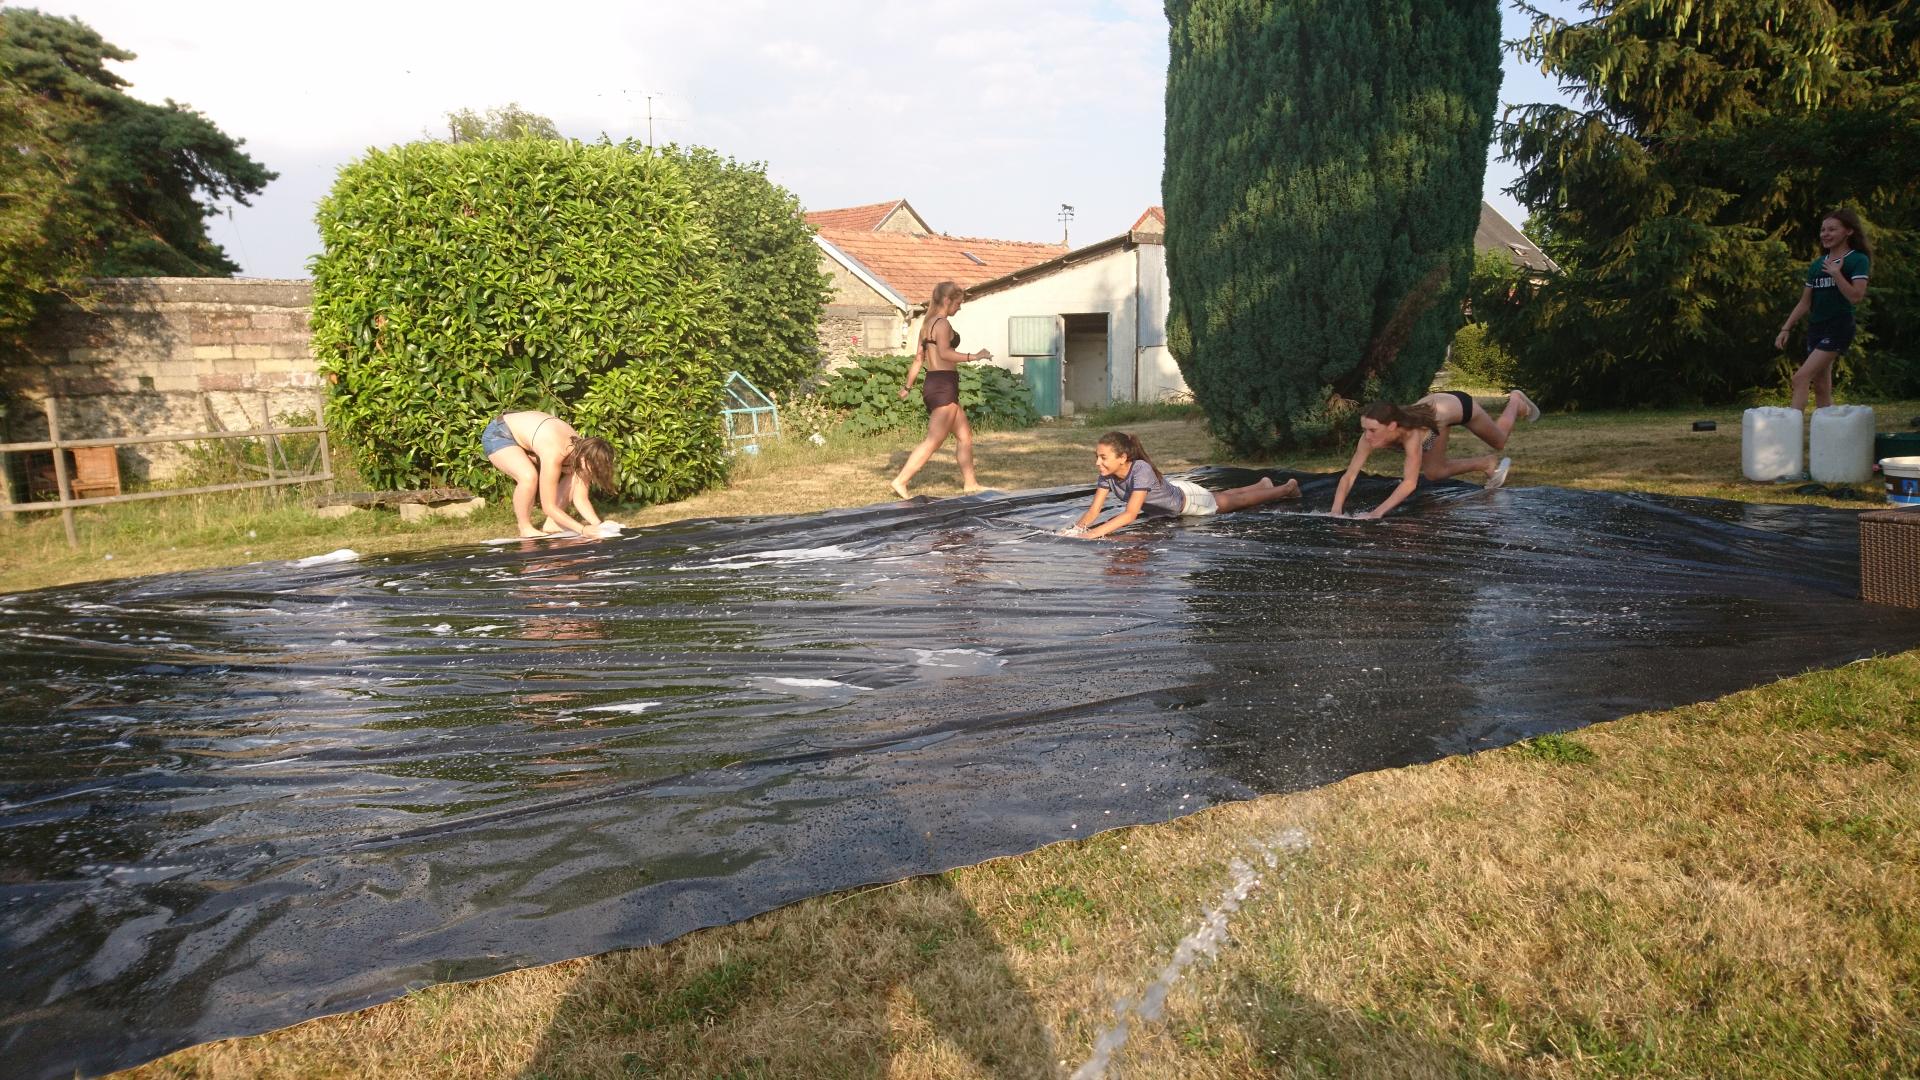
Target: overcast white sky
(987,115)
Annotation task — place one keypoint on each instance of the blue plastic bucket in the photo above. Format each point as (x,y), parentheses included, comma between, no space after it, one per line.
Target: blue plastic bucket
(1903,480)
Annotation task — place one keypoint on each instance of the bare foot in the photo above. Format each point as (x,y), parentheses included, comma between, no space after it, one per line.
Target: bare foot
(899,488)
(1290,489)
(1264,482)
(971,488)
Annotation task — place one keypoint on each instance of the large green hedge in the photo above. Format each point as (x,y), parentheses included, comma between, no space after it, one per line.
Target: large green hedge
(1323,173)
(769,269)
(459,281)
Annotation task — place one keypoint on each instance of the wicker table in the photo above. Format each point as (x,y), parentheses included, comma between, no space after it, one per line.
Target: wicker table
(1890,557)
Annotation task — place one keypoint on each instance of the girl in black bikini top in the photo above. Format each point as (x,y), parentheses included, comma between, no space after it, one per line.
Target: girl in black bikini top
(928,342)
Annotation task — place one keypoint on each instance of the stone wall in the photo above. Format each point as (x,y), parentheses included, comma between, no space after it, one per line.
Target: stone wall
(153,356)
(848,333)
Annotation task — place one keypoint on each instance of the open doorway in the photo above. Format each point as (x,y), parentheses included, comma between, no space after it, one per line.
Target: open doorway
(1087,362)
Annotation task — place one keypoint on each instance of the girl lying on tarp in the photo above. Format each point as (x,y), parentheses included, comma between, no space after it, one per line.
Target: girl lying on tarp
(1126,470)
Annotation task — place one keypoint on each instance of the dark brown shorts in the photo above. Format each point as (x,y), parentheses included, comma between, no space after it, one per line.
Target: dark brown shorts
(940,388)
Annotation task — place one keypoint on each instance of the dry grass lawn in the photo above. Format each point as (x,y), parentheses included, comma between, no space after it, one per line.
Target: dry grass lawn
(1729,889)
(1726,890)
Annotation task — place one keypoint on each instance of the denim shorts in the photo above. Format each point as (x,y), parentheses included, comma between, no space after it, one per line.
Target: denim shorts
(1200,502)
(1830,335)
(496,436)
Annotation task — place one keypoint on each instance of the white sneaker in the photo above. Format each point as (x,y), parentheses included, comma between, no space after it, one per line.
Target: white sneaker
(1499,474)
(1533,411)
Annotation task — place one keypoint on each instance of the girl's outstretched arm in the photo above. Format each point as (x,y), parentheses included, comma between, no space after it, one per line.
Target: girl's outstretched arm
(1122,519)
(583,500)
(952,355)
(1340,493)
(550,495)
(1093,512)
(1408,481)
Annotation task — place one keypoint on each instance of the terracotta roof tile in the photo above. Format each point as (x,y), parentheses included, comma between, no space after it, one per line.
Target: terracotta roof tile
(1153,220)
(866,218)
(913,264)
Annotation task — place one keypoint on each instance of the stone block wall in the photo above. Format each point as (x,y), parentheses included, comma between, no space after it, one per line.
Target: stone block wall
(154,356)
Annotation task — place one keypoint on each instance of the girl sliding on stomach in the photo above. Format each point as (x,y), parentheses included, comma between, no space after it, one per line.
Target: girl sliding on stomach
(1126,471)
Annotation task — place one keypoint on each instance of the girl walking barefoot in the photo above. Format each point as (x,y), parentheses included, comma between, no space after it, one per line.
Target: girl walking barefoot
(1420,431)
(1126,470)
(938,351)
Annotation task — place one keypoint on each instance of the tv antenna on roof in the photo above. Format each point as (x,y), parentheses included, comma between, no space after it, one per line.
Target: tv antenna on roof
(1065,215)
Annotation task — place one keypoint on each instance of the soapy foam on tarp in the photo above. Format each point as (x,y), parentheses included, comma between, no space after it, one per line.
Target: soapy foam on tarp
(232,800)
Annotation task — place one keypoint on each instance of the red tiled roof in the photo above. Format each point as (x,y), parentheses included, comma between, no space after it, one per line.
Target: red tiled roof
(912,264)
(865,218)
(1153,220)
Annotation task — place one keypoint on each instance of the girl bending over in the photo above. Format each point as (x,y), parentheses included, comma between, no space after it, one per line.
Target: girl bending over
(1420,431)
(547,457)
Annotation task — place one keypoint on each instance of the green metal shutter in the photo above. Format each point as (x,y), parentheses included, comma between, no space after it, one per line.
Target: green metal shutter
(1033,335)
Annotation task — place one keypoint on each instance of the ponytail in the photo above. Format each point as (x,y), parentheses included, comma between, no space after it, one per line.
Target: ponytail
(1121,442)
(1407,416)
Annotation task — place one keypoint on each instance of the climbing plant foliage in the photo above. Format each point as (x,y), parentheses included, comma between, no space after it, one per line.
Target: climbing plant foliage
(1323,174)
(459,281)
(869,393)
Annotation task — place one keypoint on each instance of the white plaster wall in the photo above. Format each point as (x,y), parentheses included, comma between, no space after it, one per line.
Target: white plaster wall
(1129,286)
(1104,285)
(1160,376)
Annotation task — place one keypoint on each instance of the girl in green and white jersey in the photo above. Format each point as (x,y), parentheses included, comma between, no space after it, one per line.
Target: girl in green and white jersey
(1836,281)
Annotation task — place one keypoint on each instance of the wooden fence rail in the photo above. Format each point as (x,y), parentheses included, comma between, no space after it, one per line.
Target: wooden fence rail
(67,502)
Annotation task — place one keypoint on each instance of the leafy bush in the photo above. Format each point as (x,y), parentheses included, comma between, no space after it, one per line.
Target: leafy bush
(805,413)
(769,269)
(460,281)
(1476,360)
(870,391)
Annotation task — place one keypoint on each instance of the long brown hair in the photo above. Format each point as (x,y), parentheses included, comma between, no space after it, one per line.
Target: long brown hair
(1407,416)
(591,458)
(1121,442)
(1858,238)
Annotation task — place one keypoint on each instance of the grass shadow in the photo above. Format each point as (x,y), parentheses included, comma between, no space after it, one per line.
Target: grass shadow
(906,979)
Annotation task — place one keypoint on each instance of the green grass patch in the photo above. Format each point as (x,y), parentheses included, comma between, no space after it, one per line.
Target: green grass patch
(1556,750)
(1122,414)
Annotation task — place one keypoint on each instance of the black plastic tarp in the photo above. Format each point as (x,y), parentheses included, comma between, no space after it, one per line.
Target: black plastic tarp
(233,800)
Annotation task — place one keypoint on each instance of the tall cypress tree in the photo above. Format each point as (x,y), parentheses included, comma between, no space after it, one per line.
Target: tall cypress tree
(1323,174)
